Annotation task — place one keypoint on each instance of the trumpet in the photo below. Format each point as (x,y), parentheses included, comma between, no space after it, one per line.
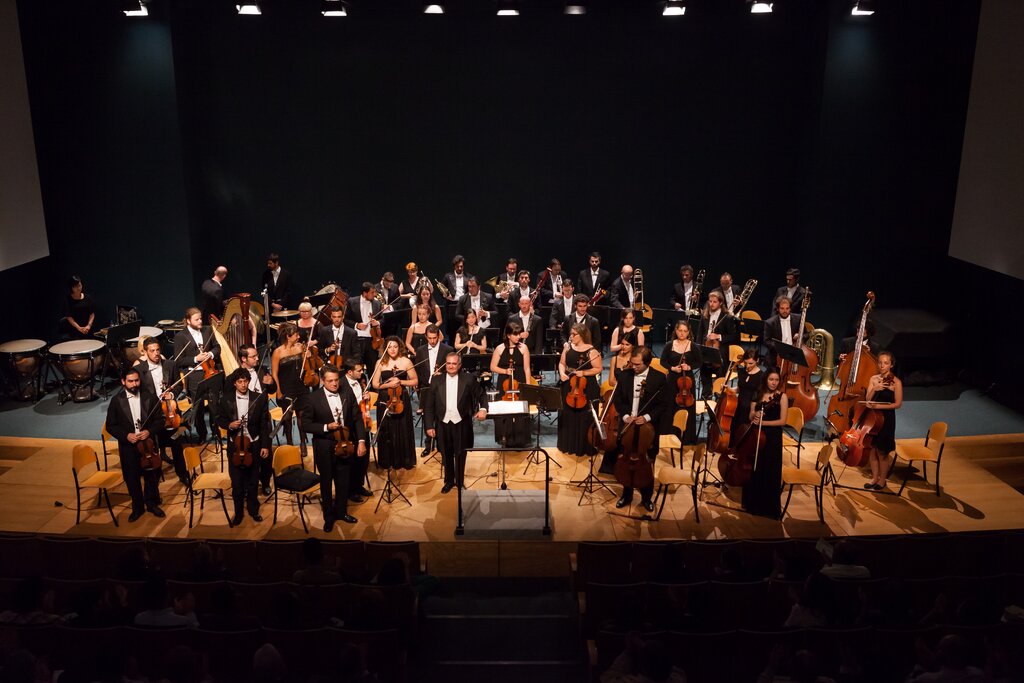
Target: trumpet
(444,290)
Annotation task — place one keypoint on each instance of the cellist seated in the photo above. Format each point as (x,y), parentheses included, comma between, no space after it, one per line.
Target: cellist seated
(639,399)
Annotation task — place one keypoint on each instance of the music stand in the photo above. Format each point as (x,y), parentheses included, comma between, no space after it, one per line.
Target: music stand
(507,409)
(753,327)
(211,386)
(794,354)
(547,400)
(116,335)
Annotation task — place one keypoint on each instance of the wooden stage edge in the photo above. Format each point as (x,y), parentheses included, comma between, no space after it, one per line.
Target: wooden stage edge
(982,478)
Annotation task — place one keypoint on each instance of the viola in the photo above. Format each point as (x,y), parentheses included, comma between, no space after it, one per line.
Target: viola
(209,367)
(509,385)
(577,396)
(364,404)
(853,376)
(395,405)
(172,418)
(242,455)
(311,364)
(334,356)
(149,457)
(684,388)
(343,446)
(856,441)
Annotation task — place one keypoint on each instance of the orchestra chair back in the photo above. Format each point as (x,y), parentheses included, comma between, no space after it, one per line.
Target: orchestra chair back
(930,451)
(672,442)
(202,482)
(667,477)
(794,421)
(292,477)
(83,457)
(819,478)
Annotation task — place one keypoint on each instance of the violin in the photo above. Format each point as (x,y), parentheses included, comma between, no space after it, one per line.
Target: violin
(395,399)
(684,388)
(209,365)
(311,364)
(242,456)
(737,470)
(149,457)
(634,469)
(853,376)
(343,446)
(577,397)
(172,418)
(364,404)
(334,356)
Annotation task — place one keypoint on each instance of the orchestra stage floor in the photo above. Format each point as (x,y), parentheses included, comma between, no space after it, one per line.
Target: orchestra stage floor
(982,478)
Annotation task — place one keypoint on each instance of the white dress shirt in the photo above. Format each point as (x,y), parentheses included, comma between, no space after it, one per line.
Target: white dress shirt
(242,406)
(365,311)
(197,337)
(728,297)
(637,381)
(474,303)
(276,272)
(451,394)
(432,360)
(526,320)
(254,382)
(713,318)
(787,330)
(157,373)
(357,390)
(460,286)
(334,401)
(135,405)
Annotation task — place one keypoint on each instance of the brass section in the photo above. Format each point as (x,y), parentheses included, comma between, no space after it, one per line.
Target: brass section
(820,341)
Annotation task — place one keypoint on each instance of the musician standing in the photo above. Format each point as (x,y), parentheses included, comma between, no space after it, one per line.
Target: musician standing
(193,345)
(782,327)
(640,397)
(337,337)
(327,412)
(455,281)
(79,311)
(681,357)
(507,280)
(718,328)
(581,317)
(885,394)
(391,300)
(581,359)
(156,375)
(244,413)
(481,302)
(361,314)
(563,308)
(260,382)
(620,292)
(212,294)
(761,492)
(792,290)
(286,367)
(511,360)
(533,328)
(683,298)
(453,400)
(728,291)
(278,283)
(352,384)
(593,278)
(132,416)
(412,282)
(521,290)
(430,357)
(551,288)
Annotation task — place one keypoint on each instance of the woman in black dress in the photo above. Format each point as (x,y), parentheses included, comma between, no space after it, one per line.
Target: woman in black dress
(885,393)
(511,358)
(425,297)
(680,357)
(417,334)
(627,325)
(79,311)
(749,378)
(622,360)
(286,368)
(396,443)
(471,335)
(761,493)
(308,326)
(580,358)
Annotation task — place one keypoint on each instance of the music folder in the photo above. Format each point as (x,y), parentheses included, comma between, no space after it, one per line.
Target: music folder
(791,353)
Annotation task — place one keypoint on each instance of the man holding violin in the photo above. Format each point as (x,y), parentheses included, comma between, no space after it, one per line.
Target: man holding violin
(132,417)
(194,345)
(246,417)
(362,314)
(352,386)
(449,406)
(156,375)
(328,413)
(639,398)
(249,360)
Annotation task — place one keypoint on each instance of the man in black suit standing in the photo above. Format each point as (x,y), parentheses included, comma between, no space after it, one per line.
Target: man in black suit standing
(562,309)
(278,283)
(683,298)
(479,301)
(430,356)
(212,294)
(350,388)
(782,327)
(157,374)
(640,397)
(393,301)
(455,281)
(551,286)
(620,291)
(728,291)
(581,317)
(328,411)
(533,328)
(196,344)
(792,291)
(362,313)
(244,410)
(593,278)
(455,398)
(337,336)
(507,280)
(132,416)
(260,382)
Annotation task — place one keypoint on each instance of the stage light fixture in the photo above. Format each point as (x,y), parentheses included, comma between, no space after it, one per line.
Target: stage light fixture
(674,8)
(761,7)
(508,8)
(433,8)
(134,8)
(333,8)
(248,8)
(863,8)
(576,7)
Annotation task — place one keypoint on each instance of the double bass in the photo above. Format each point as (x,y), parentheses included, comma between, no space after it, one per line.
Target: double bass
(797,378)
(603,434)
(853,376)
(719,432)
(634,469)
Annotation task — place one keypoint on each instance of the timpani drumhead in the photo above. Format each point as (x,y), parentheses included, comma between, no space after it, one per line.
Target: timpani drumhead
(22,346)
(77,358)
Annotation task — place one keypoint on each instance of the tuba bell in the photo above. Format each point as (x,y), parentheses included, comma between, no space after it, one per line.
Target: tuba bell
(820,341)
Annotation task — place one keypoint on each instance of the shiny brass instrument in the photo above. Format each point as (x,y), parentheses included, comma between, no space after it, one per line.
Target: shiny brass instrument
(380,298)
(443,289)
(820,341)
(500,287)
(693,305)
(744,297)
(644,313)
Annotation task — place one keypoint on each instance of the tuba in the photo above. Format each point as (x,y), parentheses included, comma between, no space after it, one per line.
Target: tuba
(820,341)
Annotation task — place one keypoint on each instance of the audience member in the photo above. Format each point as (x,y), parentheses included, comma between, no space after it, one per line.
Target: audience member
(949,663)
(643,662)
(156,611)
(844,563)
(31,604)
(315,573)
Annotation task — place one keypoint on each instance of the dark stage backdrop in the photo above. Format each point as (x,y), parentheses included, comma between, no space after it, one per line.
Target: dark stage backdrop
(350,146)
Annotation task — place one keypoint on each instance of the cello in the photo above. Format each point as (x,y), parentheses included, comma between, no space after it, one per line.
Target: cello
(853,376)
(633,469)
(856,441)
(737,468)
(721,426)
(606,436)
(797,378)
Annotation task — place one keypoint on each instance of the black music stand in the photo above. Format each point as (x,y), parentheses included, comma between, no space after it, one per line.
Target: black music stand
(116,335)
(547,400)
(507,409)
(390,492)
(753,327)
(210,387)
(794,354)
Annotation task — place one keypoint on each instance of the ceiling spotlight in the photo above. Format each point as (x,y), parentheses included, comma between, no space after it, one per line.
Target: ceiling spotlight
(333,8)
(433,8)
(508,8)
(674,8)
(248,8)
(577,7)
(134,8)
(761,7)
(863,8)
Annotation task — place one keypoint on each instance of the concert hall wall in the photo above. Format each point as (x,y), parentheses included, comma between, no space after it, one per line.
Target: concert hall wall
(351,146)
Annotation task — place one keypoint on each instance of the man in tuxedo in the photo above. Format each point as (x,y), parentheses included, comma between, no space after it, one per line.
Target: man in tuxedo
(241,409)
(551,287)
(640,399)
(717,326)
(533,328)
(581,317)
(350,386)
(479,301)
(361,314)
(211,293)
(507,280)
(260,382)
(728,291)
(430,356)
(452,402)
(455,281)
(562,309)
(620,291)
(326,412)
(521,290)
(393,301)
(132,416)
(278,283)
(196,344)
(792,291)
(157,375)
(683,291)
(593,278)
(782,327)
(337,336)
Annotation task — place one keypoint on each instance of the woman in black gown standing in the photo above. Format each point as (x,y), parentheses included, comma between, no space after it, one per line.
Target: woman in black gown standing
(749,378)
(396,443)
(761,493)
(580,358)
(511,358)
(885,394)
(680,357)
(286,369)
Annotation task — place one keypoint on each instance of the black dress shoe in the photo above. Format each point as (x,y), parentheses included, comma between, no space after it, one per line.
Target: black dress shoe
(237,519)
(266,489)
(355,498)
(447,488)
(157,512)
(135,515)
(328,525)
(648,505)
(869,486)
(348,519)
(365,492)
(622,502)
(256,517)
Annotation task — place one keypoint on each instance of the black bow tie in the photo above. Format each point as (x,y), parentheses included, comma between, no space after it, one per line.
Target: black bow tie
(331,393)
(242,396)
